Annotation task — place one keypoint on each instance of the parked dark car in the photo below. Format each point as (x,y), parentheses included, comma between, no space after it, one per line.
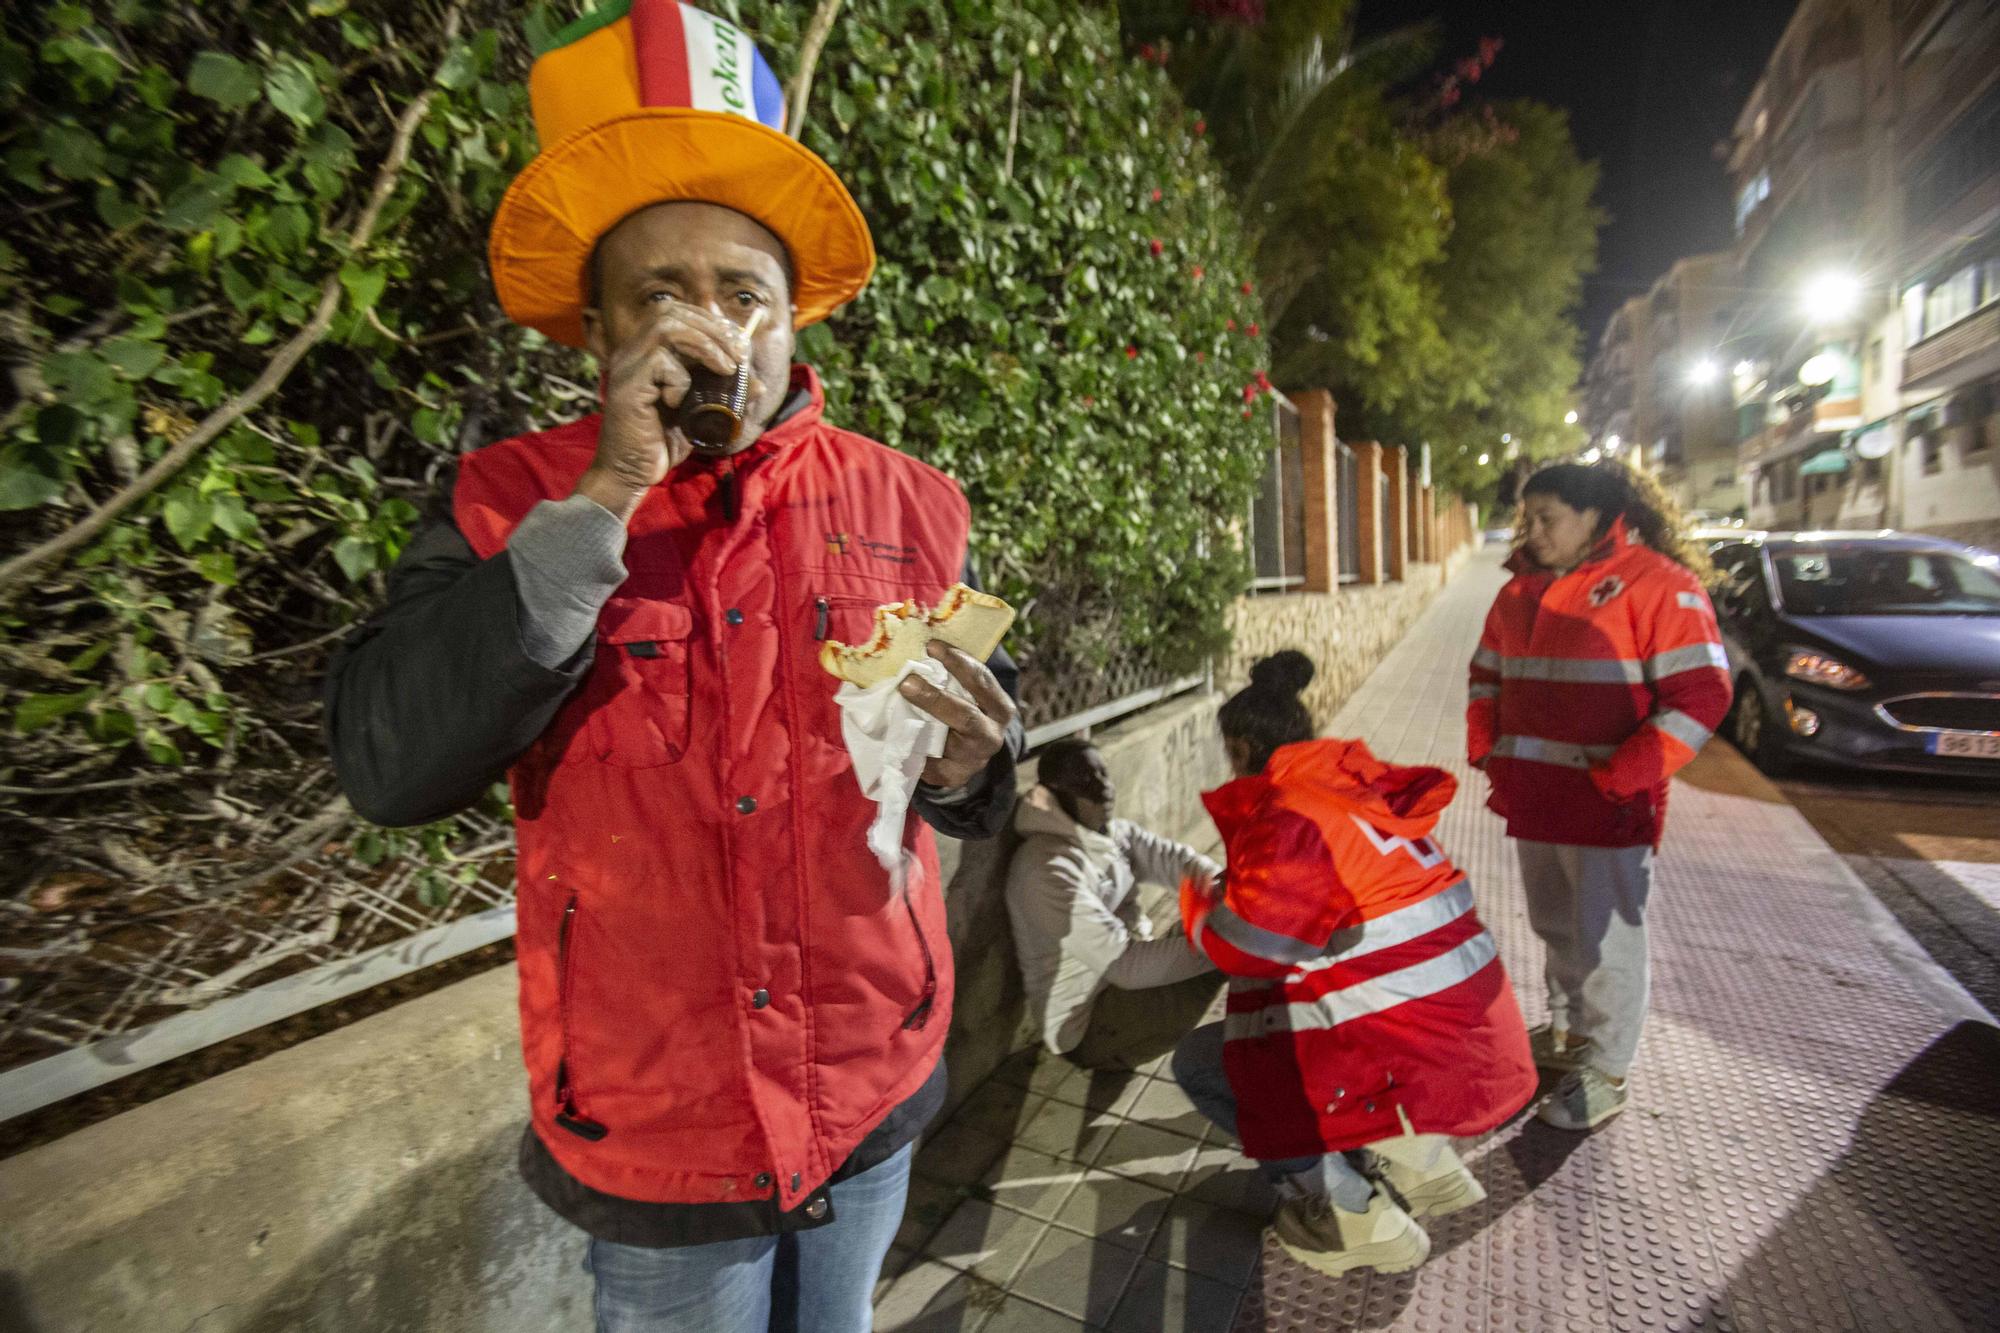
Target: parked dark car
(1867,650)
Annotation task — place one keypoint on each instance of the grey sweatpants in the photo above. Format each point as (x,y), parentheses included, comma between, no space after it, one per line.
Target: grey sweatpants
(1588,904)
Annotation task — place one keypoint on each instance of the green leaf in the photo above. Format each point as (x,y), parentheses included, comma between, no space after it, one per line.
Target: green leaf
(36,711)
(73,152)
(364,285)
(287,228)
(188,517)
(356,556)
(133,358)
(459,69)
(27,477)
(196,205)
(223,79)
(230,515)
(159,749)
(243,172)
(293,90)
(217,567)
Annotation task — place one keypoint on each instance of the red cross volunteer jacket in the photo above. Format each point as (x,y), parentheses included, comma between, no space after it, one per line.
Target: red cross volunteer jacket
(1590,689)
(1366,1000)
(720,995)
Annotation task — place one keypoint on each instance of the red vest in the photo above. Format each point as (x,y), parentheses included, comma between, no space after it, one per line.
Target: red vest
(720,996)
(1366,1000)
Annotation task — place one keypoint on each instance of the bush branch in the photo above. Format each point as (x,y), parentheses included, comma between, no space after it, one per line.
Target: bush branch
(802,81)
(280,366)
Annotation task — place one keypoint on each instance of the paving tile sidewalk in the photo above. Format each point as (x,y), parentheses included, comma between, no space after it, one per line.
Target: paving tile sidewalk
(1813,1140)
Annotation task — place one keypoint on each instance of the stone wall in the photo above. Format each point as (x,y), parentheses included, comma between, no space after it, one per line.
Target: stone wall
(1345,633)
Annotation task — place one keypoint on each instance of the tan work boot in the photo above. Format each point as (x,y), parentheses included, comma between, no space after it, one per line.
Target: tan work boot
(1427,1174)
(1333,1240)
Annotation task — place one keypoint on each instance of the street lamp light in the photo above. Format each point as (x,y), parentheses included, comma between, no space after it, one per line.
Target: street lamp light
(1569,417)
(1744,370)
(1831,296)
(1611,442)
(1703,373)
(1484,459)
(1591,455)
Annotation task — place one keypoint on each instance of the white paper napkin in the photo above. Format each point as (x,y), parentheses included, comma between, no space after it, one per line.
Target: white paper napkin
(890,740)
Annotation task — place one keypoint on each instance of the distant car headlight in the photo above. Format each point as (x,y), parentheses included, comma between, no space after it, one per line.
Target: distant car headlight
(1819,669)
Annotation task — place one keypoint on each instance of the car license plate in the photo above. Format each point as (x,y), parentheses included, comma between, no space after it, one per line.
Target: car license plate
(1965,745)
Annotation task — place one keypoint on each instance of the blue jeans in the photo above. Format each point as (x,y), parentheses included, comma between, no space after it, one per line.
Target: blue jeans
(1198,1069)
(816,1281)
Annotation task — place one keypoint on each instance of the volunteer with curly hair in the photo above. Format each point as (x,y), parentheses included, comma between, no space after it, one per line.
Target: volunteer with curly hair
(1600,672)
(1369,1016)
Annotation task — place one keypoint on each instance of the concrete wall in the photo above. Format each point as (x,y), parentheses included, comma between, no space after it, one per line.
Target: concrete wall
(365,1180)
(360,1181)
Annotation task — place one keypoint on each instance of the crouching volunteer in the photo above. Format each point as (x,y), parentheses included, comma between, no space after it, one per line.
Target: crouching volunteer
(1369,1017)
(1100,987)
(732,1025)
(1600,672)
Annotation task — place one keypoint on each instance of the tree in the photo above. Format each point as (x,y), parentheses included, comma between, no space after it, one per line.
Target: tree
(1523,237)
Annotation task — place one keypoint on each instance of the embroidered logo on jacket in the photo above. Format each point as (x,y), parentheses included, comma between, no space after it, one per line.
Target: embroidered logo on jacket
(836,543)
(1607,588)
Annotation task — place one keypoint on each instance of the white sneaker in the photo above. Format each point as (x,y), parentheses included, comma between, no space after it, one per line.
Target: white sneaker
(1427,1174)
(1332,1240)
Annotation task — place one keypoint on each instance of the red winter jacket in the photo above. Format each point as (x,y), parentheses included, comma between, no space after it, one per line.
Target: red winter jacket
(1366,1000)
(1590,689)
(720,995)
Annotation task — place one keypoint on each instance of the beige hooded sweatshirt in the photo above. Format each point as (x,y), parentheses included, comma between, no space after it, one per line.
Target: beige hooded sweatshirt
(1078,927)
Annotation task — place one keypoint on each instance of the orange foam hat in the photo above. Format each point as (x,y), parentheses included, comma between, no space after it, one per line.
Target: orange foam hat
(649,102)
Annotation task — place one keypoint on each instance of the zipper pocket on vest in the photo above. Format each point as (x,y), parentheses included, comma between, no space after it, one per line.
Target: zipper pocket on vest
(822,618)
(566,1113)
(921,1015)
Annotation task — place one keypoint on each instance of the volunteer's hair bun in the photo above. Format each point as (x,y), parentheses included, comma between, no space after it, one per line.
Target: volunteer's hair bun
(1288,672)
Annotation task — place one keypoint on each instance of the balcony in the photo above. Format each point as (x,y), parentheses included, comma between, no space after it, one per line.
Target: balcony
(1963,351)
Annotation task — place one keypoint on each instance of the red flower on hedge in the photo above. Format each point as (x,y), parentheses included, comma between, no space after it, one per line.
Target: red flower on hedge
(1158,195)
(1263,380)
(1249,393)
(1090,400)
(1247,289)
(1232,326)
(1155,245)
(1246,414)
(1201,356)
(1200,128)
(1253,330)
(1131,352)
(1199,273)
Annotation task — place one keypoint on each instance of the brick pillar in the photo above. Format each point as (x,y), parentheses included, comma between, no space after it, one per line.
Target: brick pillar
(1368,510)
(1395,465)
(1320,455)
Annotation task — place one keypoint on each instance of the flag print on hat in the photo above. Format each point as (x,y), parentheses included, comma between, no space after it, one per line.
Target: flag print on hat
(648,102)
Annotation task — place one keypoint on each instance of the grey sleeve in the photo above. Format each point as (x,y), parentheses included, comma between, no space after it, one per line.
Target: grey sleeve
(568,558)
(1161,962)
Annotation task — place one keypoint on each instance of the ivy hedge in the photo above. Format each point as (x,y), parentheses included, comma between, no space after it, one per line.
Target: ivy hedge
(1061,319)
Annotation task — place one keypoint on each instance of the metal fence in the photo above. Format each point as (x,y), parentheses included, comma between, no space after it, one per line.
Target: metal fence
(105,980)
(1277,528)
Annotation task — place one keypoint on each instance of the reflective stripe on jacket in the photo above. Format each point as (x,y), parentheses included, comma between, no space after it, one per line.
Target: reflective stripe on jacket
(1590,689)
(720,994)
(1366,998)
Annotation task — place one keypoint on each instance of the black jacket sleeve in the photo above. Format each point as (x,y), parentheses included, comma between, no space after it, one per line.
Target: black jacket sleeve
(983,807)
(432,699)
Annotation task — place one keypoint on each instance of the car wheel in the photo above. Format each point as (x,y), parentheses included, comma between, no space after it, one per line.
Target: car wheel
(1759,735)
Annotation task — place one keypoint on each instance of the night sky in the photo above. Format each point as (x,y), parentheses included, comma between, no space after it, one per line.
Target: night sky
(1650,88)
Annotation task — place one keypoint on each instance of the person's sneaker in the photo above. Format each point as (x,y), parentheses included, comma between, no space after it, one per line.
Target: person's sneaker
(1558,1050)
(1585,1099)
(1426,1175)
(1333,1240)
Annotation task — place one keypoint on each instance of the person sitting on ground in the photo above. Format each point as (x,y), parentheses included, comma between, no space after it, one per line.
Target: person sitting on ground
(1079,925)
(1369,1016)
